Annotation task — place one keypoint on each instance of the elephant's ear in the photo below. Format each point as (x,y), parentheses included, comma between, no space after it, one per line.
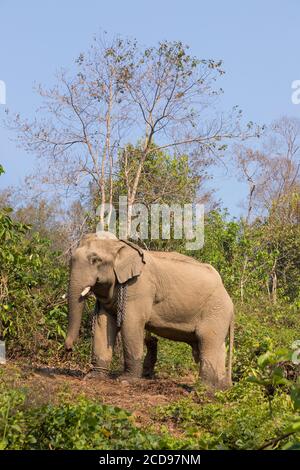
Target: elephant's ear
(129,261)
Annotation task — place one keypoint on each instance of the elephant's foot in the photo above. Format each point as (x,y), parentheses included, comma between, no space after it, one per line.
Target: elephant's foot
(148,374)
(213,381)
(132,372)
(97,373)
(151,357)
(133,369)
(128,378)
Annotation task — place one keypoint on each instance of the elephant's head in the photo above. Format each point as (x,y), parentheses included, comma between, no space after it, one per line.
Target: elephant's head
(97,265)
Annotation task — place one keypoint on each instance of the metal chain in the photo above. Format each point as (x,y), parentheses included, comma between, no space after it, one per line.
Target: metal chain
(94,319)
(121,307)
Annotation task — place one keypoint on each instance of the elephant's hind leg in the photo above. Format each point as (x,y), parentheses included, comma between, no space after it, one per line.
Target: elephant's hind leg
(212,354)
(151,355)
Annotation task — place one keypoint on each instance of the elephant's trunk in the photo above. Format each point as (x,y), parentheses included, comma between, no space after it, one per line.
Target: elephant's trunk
(75,309)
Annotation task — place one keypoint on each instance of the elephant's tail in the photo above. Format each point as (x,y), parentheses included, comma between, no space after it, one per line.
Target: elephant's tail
(230,357)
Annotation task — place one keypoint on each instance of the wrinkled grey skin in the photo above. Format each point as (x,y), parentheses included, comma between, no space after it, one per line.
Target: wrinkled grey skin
(171,295)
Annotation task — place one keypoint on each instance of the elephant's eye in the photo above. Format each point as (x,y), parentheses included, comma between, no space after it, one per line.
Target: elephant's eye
(95,259)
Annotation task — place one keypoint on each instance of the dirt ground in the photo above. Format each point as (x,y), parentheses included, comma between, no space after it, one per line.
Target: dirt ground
(140,397)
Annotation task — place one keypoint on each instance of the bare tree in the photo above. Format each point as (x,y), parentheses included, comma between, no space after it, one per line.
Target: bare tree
(249,165)
(271,170)
(281,174)
(83,118)
(118,93)
(272,173)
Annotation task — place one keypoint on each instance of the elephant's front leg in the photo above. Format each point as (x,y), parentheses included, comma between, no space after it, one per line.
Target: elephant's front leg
(132,331)
(104,337)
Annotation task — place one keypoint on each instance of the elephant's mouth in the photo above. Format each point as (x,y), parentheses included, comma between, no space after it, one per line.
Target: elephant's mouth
(103,290)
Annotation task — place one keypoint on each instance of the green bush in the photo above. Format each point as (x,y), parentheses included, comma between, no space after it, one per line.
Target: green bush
(86,425)
(260,326)
(13,421)
(33,305)
(236,419)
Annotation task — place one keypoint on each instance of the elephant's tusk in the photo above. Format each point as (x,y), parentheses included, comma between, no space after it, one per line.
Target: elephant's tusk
(85,291)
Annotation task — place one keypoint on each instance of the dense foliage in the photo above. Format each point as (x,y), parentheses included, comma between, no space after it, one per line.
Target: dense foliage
(32,285)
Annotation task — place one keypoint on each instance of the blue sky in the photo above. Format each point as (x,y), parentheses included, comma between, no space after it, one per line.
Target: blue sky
(257,40)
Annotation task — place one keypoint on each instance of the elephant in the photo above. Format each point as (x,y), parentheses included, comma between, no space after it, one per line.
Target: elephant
(168,294)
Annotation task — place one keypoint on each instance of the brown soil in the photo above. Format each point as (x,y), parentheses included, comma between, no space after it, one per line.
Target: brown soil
(140,397)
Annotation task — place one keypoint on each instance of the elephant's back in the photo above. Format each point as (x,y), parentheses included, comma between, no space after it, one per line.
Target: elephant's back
(176,273)
(174,256)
